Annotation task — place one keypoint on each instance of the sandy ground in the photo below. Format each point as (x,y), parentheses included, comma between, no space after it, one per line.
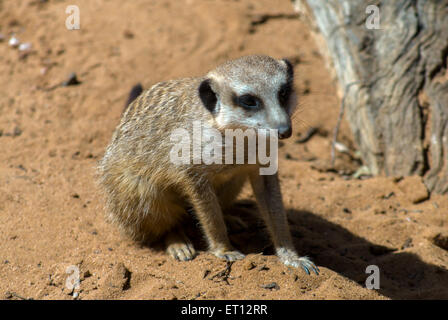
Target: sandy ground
(51,137)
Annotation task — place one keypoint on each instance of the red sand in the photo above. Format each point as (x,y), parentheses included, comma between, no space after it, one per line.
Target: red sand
(51,214)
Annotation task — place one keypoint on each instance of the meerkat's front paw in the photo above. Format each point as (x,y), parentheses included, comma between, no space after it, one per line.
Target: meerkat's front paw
(228,255)
(290,258)
(179,246)
(181,251)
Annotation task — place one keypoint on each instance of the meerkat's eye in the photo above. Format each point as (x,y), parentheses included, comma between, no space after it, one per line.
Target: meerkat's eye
(284,93)
(248,101)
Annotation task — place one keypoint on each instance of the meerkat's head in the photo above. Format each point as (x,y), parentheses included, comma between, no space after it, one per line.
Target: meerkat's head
(251,92)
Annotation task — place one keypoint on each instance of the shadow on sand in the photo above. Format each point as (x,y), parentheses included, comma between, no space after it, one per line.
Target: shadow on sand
(403,275)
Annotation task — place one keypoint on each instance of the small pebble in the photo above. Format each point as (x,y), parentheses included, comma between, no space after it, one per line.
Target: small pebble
(250,265)
(271,286)
(25,46)
(441,240)
(17,132)
(87,274)
(407,244)
(14,42)
(71,81)
(128,34)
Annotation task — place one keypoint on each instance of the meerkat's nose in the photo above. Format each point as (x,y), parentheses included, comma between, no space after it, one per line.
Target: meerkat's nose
(284,131)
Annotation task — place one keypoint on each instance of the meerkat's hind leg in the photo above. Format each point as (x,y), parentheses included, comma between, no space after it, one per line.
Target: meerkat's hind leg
(178,245)
(227,193)
(235,224)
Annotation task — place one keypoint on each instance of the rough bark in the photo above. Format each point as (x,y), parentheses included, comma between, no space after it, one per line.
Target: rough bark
(398,106)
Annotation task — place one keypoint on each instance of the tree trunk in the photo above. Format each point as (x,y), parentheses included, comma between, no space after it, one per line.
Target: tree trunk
(397,103)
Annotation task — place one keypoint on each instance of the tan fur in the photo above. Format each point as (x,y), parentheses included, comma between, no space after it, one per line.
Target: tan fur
(147,195)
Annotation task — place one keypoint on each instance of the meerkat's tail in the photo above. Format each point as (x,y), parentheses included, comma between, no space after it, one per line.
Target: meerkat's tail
(135,92)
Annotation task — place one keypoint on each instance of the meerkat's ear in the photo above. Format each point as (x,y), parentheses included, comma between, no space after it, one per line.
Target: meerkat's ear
(290,68)
(207,95)
(135,92)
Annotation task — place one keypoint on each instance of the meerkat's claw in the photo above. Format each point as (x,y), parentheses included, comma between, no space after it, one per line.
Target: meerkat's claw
(229,255)
(307,264)
(290,258)
(179,246)
(303,262)
(181,251)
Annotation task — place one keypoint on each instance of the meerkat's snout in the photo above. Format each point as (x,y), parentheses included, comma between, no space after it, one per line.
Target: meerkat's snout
(284,131)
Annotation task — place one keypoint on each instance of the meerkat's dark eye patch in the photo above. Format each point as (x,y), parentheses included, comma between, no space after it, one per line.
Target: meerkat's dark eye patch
(248,101)
(284,93)
(207,95)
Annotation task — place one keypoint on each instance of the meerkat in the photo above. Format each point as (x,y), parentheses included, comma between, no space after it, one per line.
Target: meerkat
(147,195)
